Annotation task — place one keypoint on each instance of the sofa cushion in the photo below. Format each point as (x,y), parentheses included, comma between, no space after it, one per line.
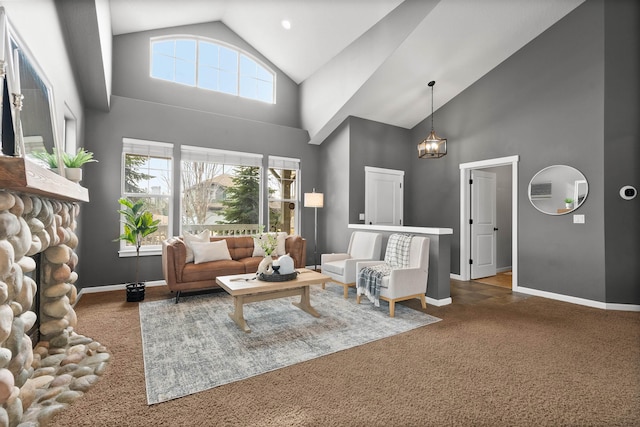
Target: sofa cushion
(189,238)
(239,246)
(251,263)
(210,251)
(210,270)
(335,267)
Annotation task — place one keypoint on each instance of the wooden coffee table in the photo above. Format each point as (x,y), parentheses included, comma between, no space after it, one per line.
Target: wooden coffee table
(245,288)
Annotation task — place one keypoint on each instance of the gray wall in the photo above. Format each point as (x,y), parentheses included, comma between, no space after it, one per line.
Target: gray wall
(333,233)
(622,150)
(546,104)
(131,79)
(378,145)
(550,103)
(142,109)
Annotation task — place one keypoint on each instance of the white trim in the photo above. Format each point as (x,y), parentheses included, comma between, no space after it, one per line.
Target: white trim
(455,276)
(465,169)
(109,288)
(382,170)
(144,251)
(439,302)
(402,229)
(577,300)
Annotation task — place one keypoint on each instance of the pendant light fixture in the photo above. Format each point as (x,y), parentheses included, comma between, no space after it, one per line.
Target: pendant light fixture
(432,147)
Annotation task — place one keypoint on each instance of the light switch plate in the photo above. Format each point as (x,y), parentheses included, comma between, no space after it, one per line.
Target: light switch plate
(578,219)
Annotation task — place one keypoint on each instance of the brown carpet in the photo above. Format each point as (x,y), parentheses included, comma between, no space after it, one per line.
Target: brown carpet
(498,360)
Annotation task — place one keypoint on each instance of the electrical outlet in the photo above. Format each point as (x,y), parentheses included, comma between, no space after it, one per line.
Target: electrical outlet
(361,217)
(578,219)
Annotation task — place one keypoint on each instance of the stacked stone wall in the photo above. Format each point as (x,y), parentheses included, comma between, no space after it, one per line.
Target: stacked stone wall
(31,225)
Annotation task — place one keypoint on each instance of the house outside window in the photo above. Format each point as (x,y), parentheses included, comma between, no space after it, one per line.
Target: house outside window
(147,172)
(211,65)
(282,178)
(220,191)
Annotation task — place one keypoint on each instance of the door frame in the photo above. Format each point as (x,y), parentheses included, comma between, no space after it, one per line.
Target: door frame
(465,249)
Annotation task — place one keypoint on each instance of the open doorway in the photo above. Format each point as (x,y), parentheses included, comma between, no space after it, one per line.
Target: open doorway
(468,241)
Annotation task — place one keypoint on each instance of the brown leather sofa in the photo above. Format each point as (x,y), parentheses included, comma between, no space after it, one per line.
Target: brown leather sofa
(182,276)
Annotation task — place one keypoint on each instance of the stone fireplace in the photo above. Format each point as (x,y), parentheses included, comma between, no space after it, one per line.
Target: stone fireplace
(38,211)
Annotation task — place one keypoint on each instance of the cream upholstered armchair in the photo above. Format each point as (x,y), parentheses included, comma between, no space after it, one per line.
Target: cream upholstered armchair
(404,283)
(341,267)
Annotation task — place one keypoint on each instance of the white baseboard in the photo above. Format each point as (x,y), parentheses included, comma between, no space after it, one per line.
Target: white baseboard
(455,276)
(108,288)
(503,269)
(439,302)
(576,300)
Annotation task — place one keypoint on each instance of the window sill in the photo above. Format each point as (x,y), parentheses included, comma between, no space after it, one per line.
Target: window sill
(126,253)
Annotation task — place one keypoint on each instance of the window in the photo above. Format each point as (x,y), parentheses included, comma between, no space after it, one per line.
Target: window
(220,191)
(211,66)
(283,194)
(147,174)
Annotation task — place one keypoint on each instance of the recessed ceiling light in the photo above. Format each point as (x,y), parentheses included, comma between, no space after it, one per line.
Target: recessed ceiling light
(286,24)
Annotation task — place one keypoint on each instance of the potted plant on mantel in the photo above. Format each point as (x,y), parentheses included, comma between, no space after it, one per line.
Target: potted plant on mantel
(74,162)
(138,224)
(51,160)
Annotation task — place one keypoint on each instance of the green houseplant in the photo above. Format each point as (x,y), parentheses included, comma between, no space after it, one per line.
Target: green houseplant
(73,163)
(51,159)
(138,223)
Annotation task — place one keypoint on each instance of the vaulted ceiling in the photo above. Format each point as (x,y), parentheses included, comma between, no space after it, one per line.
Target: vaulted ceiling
(370,59)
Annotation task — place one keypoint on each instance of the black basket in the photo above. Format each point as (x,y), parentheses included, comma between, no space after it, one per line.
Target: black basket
(277,277)
(135,292)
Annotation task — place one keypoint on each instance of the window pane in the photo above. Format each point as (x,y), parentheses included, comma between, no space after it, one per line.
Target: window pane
(165,48)
(228,60)
(213,67)
(248,67)
(265,75)
(148,178)
(163,67)
(208,54)
(159,207)
(208,78)
(219,197)
(186,50)
(283,192)
(248,87)
(228,83)
(185,72)
(264,91)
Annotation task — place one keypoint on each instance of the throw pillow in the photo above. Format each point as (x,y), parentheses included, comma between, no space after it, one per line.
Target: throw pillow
(280,249)
(188,238)
(257,249)
(210,251)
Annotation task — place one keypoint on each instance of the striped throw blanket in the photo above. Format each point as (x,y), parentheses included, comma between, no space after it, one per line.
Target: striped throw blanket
(396,256)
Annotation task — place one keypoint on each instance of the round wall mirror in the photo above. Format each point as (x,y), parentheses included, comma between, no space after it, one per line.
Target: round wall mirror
(558,190)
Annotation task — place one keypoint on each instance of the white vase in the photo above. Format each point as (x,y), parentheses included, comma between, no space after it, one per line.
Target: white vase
(73,174)
(265,266)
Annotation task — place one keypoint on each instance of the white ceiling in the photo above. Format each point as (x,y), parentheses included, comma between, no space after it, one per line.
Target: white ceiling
(456,44)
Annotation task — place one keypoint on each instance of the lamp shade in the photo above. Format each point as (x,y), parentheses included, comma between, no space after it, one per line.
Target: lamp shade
(313,200)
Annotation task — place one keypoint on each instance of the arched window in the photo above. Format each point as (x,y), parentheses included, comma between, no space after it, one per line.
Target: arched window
(211,65)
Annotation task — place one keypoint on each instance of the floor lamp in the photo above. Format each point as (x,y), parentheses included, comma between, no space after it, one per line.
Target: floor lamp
(314,200)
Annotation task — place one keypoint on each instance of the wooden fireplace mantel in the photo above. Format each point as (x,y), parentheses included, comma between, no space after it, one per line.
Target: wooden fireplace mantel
(22,175)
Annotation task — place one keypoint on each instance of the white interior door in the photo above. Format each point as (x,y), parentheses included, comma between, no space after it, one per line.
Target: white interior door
(383,196)
(483,224)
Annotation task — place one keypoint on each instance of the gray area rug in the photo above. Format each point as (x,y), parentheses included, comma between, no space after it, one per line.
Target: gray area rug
(194,345)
